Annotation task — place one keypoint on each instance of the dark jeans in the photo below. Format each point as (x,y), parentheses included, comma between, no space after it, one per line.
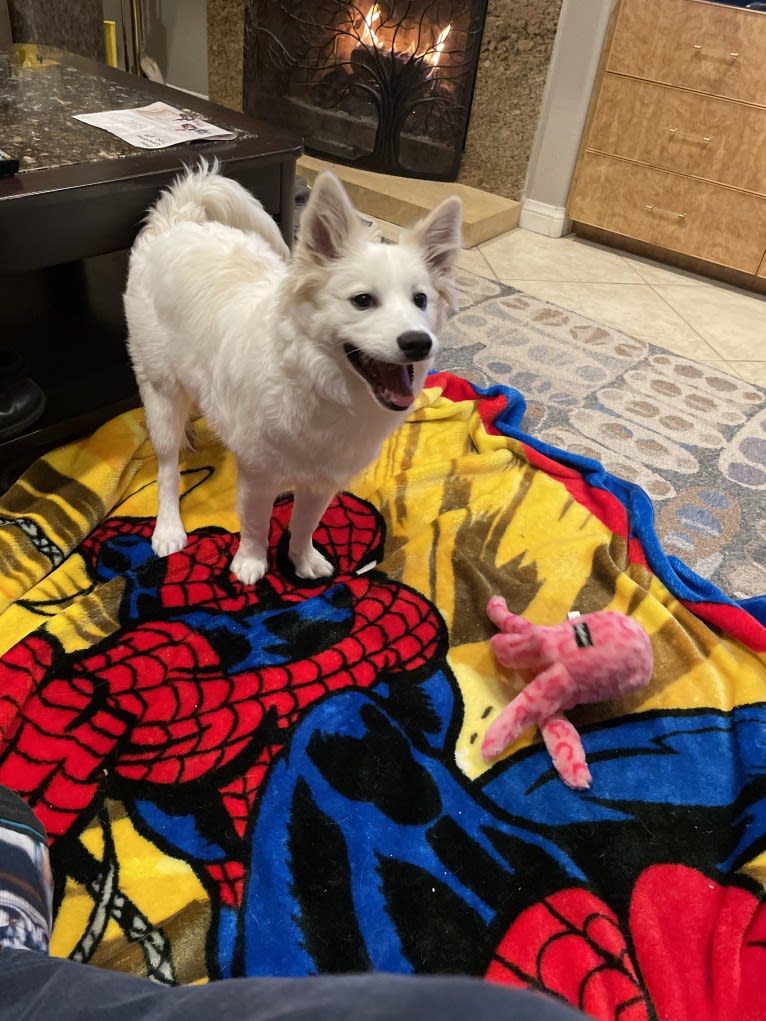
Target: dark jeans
(34,987)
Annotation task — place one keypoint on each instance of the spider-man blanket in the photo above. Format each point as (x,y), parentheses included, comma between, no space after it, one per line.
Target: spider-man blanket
(286,778)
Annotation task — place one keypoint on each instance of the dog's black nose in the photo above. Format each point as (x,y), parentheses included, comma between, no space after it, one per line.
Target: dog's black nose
(415,344)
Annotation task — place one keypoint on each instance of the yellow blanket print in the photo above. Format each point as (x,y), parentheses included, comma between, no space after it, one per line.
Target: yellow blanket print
(466,514)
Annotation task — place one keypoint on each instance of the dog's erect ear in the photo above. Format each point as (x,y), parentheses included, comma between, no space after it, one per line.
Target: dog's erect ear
(329,221)
(439,235)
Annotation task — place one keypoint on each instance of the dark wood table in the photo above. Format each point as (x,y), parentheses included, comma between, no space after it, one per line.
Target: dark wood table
(70,214)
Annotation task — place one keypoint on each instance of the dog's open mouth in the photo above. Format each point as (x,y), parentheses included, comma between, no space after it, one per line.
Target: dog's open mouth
(390,383)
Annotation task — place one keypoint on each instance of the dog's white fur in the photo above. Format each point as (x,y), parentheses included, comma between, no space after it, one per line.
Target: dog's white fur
(222,320)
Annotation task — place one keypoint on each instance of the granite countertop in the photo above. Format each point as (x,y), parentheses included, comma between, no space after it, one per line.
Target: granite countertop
(40,91)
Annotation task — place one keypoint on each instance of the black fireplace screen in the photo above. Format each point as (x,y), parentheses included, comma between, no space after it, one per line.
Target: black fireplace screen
(384,87)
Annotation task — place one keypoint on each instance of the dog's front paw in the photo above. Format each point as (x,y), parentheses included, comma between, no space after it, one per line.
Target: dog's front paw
(249,569)
(311,564)
(167,539)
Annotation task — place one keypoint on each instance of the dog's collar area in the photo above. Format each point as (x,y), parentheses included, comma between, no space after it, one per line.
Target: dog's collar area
(390,382)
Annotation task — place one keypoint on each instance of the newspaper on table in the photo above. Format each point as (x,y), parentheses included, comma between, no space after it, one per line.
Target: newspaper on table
(155,126)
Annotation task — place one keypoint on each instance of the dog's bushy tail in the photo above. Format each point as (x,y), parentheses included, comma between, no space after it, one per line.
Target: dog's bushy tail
(201,194)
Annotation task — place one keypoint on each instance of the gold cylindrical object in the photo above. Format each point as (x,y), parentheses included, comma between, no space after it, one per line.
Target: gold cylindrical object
(110,42)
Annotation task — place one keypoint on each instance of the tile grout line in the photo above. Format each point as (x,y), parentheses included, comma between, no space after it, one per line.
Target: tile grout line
(734,363)
(694,330)
(480,250)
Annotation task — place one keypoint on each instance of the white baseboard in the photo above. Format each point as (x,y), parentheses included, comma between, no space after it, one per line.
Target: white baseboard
(541,218)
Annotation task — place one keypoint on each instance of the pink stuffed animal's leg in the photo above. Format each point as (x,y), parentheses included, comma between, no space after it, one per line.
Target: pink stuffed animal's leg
(541,699)
(566,751)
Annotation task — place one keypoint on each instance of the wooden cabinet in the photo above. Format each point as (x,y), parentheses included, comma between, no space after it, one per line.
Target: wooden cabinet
(711,48)
(674,153)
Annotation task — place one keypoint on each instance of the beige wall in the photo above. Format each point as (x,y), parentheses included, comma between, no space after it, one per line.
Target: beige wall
(516,52)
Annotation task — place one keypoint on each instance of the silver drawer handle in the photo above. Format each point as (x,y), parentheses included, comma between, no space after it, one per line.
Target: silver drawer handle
(665,212)
(688,137)
(732,55)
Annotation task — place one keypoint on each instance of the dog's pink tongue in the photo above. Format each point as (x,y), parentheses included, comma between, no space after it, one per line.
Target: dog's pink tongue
(397,388)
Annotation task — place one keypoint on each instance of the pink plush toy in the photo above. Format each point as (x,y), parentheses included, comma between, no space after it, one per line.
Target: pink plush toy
(591,658)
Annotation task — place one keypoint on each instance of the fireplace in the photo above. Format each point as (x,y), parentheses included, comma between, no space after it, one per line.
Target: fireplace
(379,86)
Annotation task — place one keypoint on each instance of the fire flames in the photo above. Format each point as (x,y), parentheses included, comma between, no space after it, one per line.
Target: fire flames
(400,39)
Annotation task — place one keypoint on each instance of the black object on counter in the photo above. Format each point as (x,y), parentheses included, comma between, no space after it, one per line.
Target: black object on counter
(8,165)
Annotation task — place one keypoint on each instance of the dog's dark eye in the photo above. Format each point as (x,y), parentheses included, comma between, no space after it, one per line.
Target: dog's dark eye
(364,301)
(420,299)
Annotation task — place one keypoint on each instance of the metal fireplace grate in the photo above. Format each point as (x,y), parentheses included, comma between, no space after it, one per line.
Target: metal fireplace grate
(384,87)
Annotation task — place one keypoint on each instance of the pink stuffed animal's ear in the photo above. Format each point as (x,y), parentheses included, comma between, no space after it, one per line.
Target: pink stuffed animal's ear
(502,618)
(517,640)
(497,610)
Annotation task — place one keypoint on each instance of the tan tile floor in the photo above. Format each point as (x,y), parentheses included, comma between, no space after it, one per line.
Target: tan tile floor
(690,315)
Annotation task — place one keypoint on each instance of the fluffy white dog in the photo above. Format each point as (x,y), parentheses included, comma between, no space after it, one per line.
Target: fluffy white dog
(301,366)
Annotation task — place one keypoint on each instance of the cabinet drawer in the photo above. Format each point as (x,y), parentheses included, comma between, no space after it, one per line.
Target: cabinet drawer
(714,139)
(712,48)
(704,220)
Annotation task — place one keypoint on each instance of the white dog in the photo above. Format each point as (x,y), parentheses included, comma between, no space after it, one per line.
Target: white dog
(302,367)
